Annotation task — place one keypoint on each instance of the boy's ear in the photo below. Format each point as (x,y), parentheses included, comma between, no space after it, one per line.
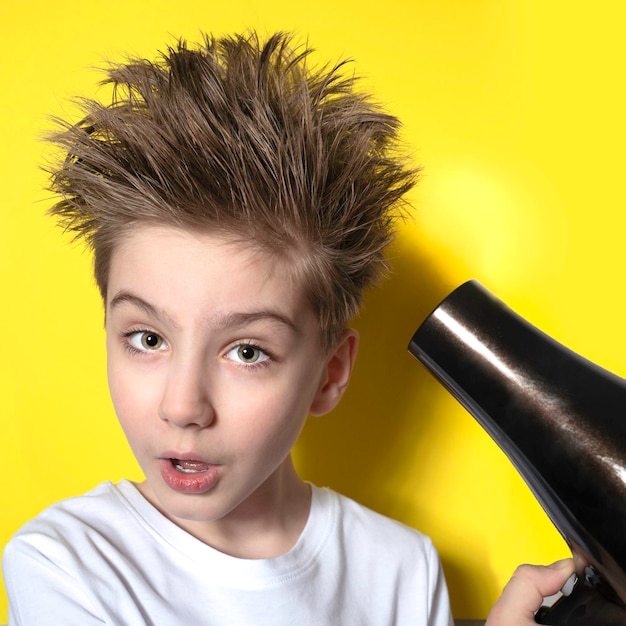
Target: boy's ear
(337,373)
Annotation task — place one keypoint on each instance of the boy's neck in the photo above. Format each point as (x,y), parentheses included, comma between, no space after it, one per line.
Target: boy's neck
(266,525)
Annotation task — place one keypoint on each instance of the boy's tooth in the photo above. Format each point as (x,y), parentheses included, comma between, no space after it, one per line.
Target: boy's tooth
(190,467)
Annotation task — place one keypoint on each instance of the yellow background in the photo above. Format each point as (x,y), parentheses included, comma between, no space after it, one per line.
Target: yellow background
(516,111)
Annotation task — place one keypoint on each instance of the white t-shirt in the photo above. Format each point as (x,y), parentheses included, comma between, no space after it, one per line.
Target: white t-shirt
(109,557)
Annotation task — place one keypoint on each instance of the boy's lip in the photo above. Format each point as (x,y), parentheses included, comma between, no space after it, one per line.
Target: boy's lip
(187,473)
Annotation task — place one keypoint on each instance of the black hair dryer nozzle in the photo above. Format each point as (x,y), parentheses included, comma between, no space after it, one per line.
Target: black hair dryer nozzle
(560,419)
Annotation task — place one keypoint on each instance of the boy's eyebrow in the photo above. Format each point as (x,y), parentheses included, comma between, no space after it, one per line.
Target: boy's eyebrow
(228,320)
(233,320)
(126,296)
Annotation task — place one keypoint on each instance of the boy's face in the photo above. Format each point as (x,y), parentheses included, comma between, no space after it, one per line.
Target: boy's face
(214,363)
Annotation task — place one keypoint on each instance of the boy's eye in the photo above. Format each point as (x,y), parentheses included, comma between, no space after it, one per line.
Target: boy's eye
(146,341)
(247,353)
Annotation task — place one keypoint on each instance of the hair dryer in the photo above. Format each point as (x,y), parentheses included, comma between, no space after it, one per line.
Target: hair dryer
(561,421)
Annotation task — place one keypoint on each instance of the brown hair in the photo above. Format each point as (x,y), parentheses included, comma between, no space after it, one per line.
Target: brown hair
(241,137)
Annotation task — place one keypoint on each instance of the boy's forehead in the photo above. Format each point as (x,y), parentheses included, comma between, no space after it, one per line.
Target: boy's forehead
(146,240)
(160,253)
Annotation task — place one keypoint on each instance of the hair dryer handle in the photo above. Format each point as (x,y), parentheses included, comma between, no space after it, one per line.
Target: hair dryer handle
(584,606)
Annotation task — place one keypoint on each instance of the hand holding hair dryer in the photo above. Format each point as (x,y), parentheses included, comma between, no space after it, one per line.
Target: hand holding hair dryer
(561,421)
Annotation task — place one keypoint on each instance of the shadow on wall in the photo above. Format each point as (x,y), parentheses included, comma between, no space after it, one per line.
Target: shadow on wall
(364,447)
(359,449)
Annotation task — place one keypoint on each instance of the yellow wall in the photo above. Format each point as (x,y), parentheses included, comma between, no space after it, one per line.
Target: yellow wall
(516,111)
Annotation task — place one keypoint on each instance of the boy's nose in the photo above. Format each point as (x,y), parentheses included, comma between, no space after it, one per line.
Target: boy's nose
(185,401)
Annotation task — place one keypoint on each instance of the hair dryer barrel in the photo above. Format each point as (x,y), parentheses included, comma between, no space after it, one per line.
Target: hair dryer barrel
(559,418)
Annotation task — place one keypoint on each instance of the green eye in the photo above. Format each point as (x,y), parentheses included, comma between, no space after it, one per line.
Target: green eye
(146,341)
(247,354)
(151,341)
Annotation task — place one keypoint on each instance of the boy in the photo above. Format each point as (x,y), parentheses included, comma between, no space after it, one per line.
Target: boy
(237,204)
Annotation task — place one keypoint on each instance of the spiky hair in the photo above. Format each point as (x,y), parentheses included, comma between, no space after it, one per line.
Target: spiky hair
(240,137)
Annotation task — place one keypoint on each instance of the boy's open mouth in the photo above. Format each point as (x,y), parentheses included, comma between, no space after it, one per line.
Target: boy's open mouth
(189,467)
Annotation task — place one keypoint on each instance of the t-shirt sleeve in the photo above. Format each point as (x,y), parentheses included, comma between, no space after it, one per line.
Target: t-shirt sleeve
(439,610)
(41,589)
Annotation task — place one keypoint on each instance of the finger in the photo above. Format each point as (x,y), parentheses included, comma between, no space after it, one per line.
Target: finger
(524,593)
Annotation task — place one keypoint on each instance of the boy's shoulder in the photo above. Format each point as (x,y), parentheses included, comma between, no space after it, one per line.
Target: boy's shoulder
(60,524)
(76,507)
(357,522)
(374,552)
